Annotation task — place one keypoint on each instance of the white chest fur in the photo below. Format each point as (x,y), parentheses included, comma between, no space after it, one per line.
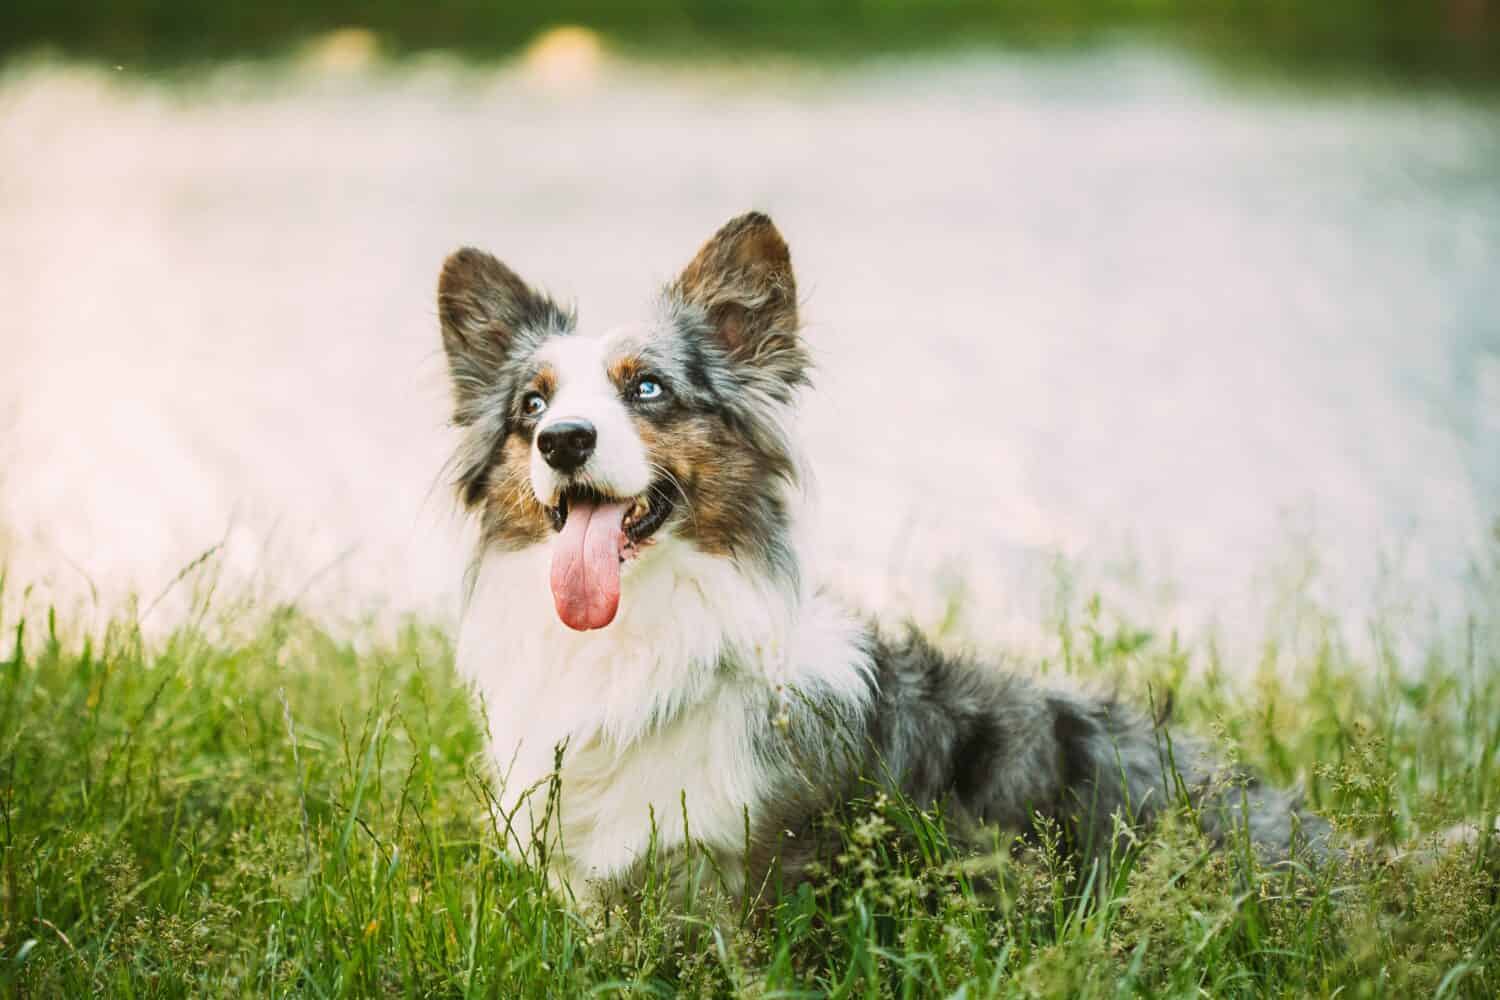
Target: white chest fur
(654,716)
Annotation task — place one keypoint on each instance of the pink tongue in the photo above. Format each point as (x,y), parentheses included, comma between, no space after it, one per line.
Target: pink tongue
(586,565)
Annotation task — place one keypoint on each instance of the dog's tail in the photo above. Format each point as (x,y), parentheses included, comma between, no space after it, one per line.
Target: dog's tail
(1006,751)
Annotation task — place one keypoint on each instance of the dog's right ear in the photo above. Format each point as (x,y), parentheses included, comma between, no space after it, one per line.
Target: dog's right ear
(742,281)
(483,307)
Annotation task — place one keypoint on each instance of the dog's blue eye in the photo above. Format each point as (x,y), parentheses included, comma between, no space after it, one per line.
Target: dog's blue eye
(648,389)
(533,403)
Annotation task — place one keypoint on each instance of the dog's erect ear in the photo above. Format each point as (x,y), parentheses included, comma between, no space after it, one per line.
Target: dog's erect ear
(483,307)
(742,280)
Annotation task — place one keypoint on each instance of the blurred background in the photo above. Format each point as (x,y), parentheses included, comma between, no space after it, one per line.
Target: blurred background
(1193,304)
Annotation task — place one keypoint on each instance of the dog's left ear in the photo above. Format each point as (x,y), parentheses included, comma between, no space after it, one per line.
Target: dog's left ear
(742,280)
(483,309)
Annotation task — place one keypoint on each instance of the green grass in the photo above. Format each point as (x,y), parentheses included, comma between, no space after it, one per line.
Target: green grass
(256,803)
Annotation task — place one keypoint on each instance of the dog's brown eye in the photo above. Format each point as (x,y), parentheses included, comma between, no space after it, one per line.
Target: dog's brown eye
(533,404)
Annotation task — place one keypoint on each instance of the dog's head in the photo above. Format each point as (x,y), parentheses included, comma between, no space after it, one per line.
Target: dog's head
(599,445)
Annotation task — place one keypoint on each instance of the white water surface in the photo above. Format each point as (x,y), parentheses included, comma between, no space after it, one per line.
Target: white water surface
(1193,338)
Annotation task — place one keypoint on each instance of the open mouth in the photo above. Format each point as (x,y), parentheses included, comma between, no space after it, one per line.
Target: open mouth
(643,515)
(596,533)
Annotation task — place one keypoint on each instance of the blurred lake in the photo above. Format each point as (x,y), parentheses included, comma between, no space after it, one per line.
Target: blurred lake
(1205,345)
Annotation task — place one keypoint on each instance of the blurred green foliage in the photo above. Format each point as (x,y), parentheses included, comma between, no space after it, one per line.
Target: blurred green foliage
(1446,39)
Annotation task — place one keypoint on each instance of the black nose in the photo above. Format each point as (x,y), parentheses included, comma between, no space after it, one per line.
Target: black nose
(567,444)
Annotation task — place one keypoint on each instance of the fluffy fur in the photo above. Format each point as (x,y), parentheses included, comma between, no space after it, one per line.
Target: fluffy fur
(729,700)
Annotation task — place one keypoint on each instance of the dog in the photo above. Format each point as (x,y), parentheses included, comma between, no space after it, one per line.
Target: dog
(658,669)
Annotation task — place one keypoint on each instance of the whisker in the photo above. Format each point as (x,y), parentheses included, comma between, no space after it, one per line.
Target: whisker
(681,491)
